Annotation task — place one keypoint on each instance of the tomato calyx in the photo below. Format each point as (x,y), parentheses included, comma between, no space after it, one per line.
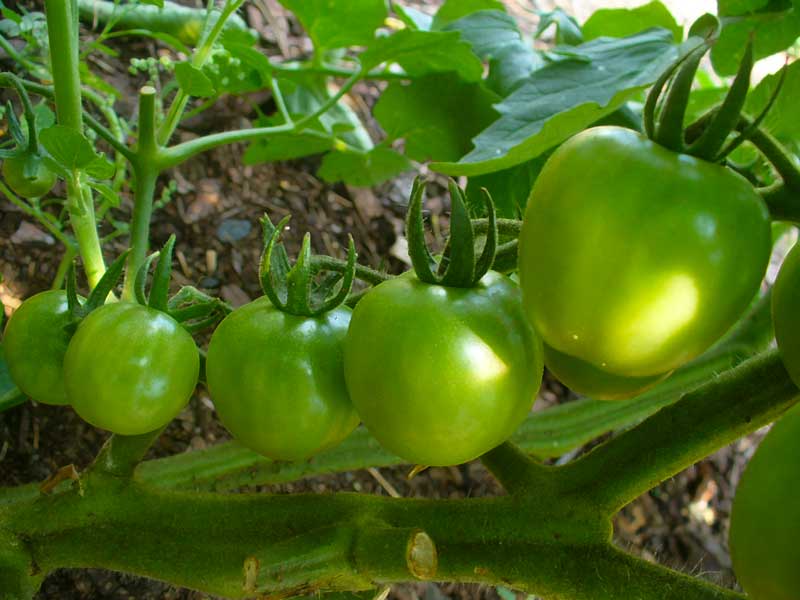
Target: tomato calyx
(459,265)
(190,307)
(293,288)
(668,99)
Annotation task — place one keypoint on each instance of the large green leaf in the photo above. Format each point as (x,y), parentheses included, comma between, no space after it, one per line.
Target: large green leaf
(425,52)
(775,27)
(619,22)
(339,23)
(735,8)
(437,115)
(783,119)
(363,169)
(452,10)
(494,36)
(561,99)
(509,188)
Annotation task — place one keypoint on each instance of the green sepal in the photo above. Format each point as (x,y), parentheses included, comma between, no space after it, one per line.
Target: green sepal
(727,115)
(195,310)
(159,289)
(14,126)
(107,282)
(459,266)
(422,260)
(294,289)
(298,280)
(669,129)
(140,283)
(73,301)
(752,127)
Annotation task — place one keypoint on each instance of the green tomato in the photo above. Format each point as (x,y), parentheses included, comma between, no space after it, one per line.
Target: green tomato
(765,522)
(277,380)
(441,375)
(35,343)
(27,176)
(786,313)
(130,369)
(634,259)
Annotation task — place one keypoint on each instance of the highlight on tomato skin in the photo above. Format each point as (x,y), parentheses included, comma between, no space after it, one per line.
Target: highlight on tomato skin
(765,522)
(641,263)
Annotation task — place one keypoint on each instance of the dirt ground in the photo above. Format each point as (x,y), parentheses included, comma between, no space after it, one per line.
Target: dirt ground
(682,523)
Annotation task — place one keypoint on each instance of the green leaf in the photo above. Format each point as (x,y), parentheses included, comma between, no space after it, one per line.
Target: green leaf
(783,119)
(509,188)
(437,115)
(621,22)
(158,3)
(773,30)
(567,29)
(415,19)
(453,10)
(67,147)
(563,98)
(285,147)
(339,23)
(735,8)
(495,36)
(100,168)
(363,169)
(193,81)
(424,52)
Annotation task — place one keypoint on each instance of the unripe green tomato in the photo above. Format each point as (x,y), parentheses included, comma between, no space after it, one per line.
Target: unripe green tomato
(441,375)
(786,313)
(34,344)
(765,522)
(39,181)
(634,259)
(277,380)
(130,369)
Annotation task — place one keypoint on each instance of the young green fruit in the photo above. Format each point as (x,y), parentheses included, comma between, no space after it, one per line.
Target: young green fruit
(34,344)
(130,369)
(277,380)
(634,259)
(441,375)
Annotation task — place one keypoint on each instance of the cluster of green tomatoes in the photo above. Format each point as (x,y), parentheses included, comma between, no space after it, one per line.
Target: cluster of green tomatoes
(633,260)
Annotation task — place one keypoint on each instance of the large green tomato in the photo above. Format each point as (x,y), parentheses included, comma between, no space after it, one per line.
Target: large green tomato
(634,259)
(765,522)
(441,375)
(130,369)
(28,176)
(277,380)
(34,344)
(786,313)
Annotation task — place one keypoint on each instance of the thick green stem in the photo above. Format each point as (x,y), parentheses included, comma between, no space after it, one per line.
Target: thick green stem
(736,403)
(62,28)
(145,187)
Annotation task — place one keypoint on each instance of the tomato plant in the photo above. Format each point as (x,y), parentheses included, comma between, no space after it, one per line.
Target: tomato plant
(765,523)
(34,343)
(129,368)
(645,236)
(628,283)
(277,380)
